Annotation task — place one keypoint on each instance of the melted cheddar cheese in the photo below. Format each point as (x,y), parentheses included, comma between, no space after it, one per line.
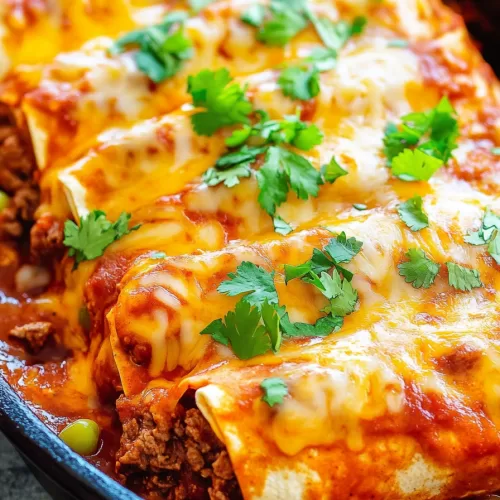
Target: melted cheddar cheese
(403,401)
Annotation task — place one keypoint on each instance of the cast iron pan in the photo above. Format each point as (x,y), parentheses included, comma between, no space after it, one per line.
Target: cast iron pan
(64,474)
(67,476)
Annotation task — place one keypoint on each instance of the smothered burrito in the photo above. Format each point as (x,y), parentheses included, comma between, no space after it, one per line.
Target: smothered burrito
(251,249)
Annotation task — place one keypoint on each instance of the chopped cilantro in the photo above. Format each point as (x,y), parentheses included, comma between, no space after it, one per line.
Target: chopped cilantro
(299,83)
(162,49)
(277,24)
(322,58)
(336,288)
(95,233)
(335,35)
(243,330)
(282,169)
(197,5)
(489,223)
(433,134)
(398,43)
(332,171)
(463,278)
(281,226)
(225,102)
(275,390)
(494,246)
(341,249)
(420,271)
(302,81)
(322,328)
(412,214)
(158,255)
(360,206)
(233,166)
(251,279)
(414,165)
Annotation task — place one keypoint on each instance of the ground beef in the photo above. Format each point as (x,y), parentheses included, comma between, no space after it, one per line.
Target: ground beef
(47,237)
(176,458)
(34,335)
(17,170)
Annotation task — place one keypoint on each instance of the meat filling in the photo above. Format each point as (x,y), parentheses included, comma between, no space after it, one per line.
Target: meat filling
(34,335)
(176,458)
(17,169)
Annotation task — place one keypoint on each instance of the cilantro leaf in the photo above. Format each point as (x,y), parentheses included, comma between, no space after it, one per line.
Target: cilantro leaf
(230,177)
(275,390)
(412,214)
(494,246)
(414,165)
(335,35)
(95,233)
(278,24)
(489,223)
(299,83)
(341,249)
(322,58)
(254,15)
(273,184)
(225,102)
(242,329)
(439,125)
(161,51)
(158,255)
(322,328)
(360,206)
(420,271)
(271,320)
(253,280)
(281,226)
(232,166)
(344,297)
(198,5)
(332,171)
(281,169)
(463,278)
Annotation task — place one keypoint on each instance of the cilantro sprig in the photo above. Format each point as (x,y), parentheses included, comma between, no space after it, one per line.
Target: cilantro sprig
(302,80)
(282,168)
(162,48)
(421,272)
(463,278)
(95,233)
(487,234)
(423,142)
(412,214)
(258,324)
(275,390)
(279,23)
(225,103)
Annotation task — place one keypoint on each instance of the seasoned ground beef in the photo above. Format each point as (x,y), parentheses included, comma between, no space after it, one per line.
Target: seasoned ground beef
(17,170)
(178,457)
(34,335)
(47,237)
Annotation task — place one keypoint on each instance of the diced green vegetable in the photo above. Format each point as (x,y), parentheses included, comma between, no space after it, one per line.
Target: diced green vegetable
(82,436)
(4,200)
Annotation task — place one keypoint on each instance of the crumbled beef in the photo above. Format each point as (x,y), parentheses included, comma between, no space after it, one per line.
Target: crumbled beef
(35,335)
(47,237)
(17,169)
(176,457)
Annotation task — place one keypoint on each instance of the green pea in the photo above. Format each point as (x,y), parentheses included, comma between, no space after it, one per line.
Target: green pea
(4,200)
(81,436)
